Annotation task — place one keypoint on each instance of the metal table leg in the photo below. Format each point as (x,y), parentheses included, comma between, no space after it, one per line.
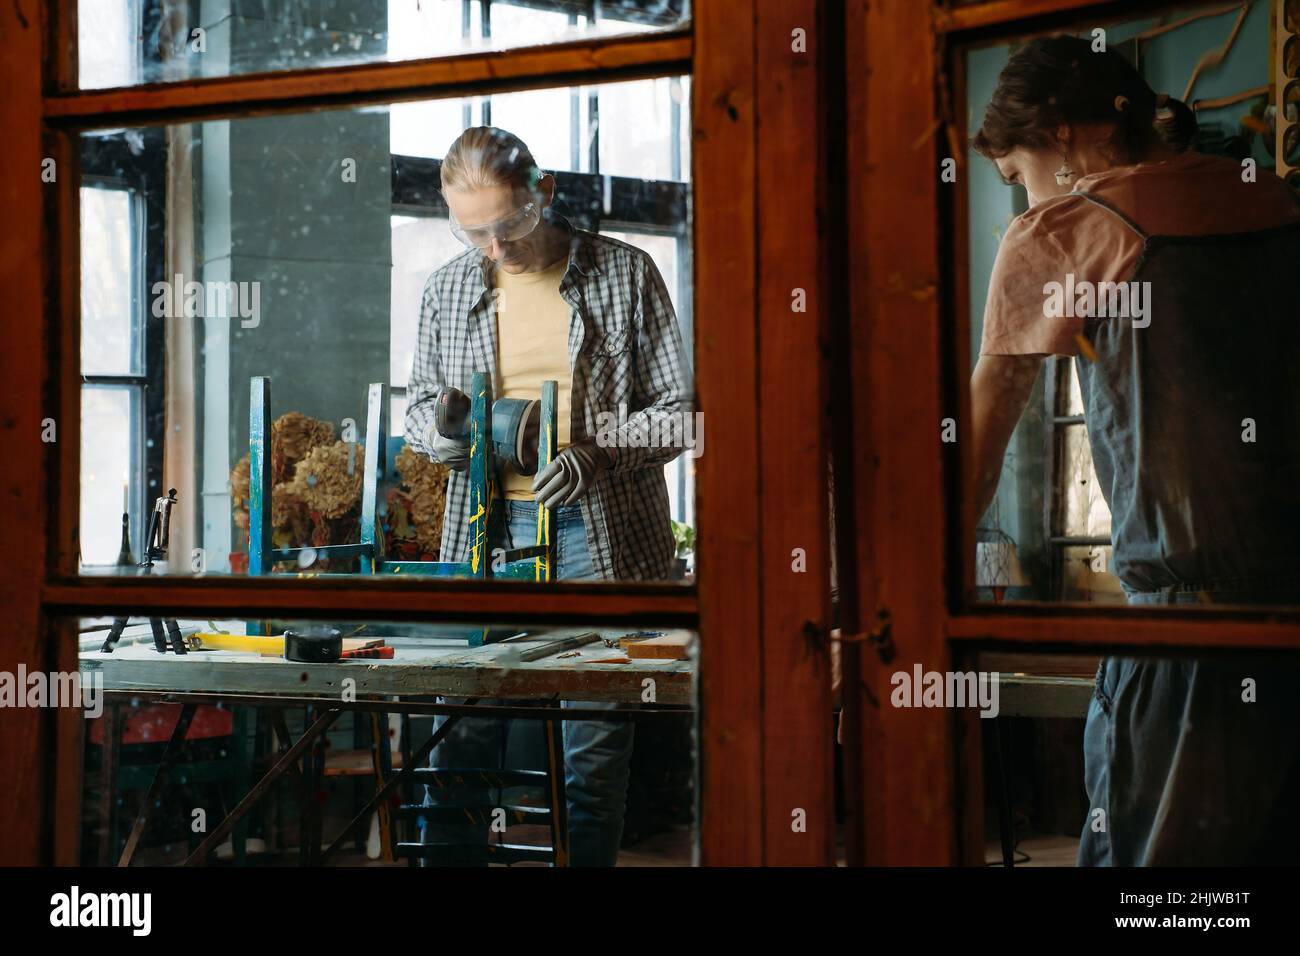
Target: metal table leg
(159,780)
(287,760)
(110,748)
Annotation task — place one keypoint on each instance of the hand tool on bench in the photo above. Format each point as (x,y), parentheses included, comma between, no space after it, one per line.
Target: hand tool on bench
(156,541)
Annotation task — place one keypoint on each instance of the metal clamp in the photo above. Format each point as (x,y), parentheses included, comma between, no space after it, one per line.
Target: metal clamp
(880,636)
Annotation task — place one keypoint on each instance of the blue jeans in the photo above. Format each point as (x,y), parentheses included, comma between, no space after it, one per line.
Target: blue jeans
(1193,761)
(597,754)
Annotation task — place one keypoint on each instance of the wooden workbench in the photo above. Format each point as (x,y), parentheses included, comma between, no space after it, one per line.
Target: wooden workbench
(524,676)
(422,667)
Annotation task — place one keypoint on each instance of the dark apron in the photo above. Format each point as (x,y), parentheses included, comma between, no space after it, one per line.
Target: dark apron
(1180,767)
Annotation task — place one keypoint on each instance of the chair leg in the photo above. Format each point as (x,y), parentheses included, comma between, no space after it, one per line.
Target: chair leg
(155,790)
(110,750)
(555,781)
(1001,760)
(383,765)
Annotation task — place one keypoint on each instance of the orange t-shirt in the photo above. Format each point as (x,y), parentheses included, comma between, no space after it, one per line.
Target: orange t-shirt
(1190,195)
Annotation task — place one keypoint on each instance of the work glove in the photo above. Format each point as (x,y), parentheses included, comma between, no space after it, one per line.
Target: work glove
(571,475)
(452,452)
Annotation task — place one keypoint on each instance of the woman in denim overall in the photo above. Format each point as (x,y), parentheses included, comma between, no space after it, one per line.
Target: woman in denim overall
(1192,405)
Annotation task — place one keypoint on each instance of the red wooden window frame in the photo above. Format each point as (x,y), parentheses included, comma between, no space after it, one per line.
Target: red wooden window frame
(764,681)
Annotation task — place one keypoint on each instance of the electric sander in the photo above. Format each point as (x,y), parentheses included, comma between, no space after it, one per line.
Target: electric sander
(516,423)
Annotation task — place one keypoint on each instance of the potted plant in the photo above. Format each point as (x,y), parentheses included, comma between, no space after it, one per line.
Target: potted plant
(684,536)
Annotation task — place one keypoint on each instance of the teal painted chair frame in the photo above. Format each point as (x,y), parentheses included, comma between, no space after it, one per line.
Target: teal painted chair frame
(535,562)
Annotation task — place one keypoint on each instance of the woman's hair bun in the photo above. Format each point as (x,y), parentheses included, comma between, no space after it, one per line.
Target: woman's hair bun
(1051,81)
(1175,122)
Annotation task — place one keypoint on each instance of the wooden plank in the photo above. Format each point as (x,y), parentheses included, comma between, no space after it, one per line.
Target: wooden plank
(725,184)
(908,756)
(670,647)
(851,498)
(970,16)
(27,798)
(61,43)
(1122,628)
(594,60)
(402,598)
(855,475)
(1006,18)
(955,198)
(541,680)
(793,318)
(63,217)
(969,739)
(63,487)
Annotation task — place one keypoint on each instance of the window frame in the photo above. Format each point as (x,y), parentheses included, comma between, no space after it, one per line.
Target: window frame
(759,622)
(1060,423)
(112,164)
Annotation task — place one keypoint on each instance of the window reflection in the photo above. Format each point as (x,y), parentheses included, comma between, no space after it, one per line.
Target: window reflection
(300,250)
(125,42)
(1140,463)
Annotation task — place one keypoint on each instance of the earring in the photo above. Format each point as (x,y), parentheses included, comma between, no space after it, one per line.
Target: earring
(1065,173)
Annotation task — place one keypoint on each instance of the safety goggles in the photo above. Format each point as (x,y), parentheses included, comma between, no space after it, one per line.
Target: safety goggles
(512,228)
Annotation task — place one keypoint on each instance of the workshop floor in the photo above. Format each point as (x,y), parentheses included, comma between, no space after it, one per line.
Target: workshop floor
(1052,850)
(671,848)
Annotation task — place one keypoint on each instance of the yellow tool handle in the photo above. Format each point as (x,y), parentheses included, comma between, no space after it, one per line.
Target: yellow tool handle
(242,642)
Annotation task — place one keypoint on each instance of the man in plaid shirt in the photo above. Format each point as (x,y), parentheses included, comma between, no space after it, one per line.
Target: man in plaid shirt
(535,298)
(624,349)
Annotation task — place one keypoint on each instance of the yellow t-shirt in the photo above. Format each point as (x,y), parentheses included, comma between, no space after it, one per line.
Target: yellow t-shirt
(533,346)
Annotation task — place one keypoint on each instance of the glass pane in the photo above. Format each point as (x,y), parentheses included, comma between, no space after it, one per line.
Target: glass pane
(1058,787)
(628,145)
(108,430)
(325,262)
(1169,441)
(627,695)
(1087,574)
(680,472)
(108,271)
(125,42)
(1085,511)
(1074,397)
(420,245)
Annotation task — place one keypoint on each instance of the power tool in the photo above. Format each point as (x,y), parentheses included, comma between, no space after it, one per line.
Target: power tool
(515,426)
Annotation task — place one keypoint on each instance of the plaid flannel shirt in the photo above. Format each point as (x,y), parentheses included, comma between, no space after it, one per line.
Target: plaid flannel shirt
(624,349)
